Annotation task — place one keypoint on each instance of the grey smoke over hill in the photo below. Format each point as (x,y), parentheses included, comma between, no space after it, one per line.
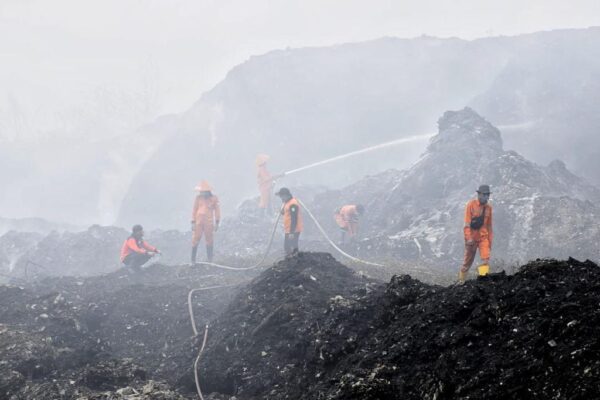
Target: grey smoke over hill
(304,105)
(417,214)
(414,217)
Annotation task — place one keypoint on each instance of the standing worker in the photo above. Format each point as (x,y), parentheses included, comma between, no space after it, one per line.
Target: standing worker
(478,231)
(292,221)
(136,251)
(206,216)
(347,219)
(265,183)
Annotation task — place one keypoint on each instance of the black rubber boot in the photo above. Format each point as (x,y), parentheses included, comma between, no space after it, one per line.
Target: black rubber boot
(209,253)
(194,251)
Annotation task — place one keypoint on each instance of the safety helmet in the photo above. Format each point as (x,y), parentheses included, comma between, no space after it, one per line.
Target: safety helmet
(203,187)
(261,159)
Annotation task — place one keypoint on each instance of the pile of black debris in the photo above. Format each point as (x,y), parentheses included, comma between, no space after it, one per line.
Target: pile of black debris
(306,328)
(309,328)
(119,335)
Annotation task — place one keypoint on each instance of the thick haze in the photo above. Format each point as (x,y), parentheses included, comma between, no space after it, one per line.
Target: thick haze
(158,56)
(77,79)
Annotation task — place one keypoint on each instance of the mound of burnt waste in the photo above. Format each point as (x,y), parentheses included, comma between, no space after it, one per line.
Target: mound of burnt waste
(265,340)
(116,336)
(309,328)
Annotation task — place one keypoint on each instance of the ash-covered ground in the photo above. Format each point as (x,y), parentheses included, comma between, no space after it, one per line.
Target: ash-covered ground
(306,328)
(83,337)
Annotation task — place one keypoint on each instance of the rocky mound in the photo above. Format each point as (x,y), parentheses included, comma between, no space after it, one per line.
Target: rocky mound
(308,328)
(522,336)
(416,215)
(13,246)
(266,336)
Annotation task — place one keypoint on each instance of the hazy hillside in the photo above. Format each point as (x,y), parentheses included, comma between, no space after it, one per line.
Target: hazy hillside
(305,105)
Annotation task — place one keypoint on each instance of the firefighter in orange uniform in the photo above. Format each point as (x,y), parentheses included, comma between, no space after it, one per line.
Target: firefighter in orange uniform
(477,230)
(136,251)
(292,220)
(265,183)
(347,219)
(206,216)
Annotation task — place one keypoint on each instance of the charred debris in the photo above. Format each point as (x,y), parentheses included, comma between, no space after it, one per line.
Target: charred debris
(308,327)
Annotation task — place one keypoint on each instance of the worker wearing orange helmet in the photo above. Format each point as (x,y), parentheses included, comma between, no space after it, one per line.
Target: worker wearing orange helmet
(347,219)
(292,221)
(265,183)
(477,230)
(206,216)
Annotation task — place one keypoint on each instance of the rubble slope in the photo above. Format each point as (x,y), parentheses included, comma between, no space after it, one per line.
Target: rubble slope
(337,336)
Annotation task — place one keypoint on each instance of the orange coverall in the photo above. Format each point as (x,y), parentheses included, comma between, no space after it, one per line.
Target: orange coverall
(482,238)
(347,219)
(131,245)
(206,212)
(265,186)
(287,217)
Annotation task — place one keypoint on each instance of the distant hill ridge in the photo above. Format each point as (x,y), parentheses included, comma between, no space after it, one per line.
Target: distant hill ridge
(304,105)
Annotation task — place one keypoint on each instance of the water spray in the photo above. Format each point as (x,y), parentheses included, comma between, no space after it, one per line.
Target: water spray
(409,139)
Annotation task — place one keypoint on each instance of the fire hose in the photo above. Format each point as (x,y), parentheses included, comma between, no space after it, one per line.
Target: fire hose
(191,292)
(342,252)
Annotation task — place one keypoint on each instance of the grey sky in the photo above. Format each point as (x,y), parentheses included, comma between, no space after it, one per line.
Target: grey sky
(57,54)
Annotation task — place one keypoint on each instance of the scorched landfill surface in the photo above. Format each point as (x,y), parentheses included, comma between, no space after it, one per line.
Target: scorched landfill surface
(307,327)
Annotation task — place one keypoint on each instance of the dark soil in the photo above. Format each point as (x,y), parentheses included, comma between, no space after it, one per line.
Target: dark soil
(307,328)
(530,335)
(267,334)
(77,336)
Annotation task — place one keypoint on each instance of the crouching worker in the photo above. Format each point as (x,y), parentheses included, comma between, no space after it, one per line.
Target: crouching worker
(347,219)
(136,251)
(292,220)
(478,231)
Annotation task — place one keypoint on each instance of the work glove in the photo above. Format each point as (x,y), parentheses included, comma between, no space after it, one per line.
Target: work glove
(470,242)
(216,226)
(290,235)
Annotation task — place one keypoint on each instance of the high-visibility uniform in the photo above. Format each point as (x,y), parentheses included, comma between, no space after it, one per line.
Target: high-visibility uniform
(133,245)
(287,217)
(347,219)
(292,225)
(482,238)
(205,213)
(265,186)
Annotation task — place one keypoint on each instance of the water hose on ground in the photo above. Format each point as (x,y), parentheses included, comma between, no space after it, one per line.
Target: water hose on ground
(191,292)
(342,252)
(265,254)
(191,310)
(196,363)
